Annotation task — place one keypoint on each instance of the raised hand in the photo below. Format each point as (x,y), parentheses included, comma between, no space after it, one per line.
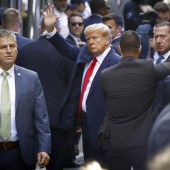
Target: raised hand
(49,17)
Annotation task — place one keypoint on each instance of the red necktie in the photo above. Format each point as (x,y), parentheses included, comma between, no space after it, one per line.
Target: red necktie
(86,80)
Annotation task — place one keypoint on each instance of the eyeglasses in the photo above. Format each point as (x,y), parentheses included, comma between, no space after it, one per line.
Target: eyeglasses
(76,23)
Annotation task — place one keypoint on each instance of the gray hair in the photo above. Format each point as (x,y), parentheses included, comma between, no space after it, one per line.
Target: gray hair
(7,34)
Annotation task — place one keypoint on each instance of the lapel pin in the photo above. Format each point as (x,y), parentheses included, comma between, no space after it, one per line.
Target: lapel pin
(19,74)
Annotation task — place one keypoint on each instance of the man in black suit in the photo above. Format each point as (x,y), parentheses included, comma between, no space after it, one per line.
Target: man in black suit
(129,89)
(76,27)
(12,21)
(54,71)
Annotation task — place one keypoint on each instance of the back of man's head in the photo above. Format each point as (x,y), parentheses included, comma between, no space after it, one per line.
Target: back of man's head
(12,19)
(112,16)
(130,41)
(161,7)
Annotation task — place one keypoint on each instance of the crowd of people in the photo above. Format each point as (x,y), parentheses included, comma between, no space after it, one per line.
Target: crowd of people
(91,72)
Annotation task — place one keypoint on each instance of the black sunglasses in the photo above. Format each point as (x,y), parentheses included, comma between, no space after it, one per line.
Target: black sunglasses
(76,23)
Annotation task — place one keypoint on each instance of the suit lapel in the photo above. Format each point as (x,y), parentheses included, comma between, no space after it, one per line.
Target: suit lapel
(103,65)
(17,84)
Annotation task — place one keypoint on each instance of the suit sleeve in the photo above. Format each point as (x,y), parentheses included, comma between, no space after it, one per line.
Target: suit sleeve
(162,70)
(65,48)
(41,120)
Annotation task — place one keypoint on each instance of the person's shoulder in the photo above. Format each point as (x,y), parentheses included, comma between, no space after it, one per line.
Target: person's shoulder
(23,70)
(114,55)
(144,61)
(108,70)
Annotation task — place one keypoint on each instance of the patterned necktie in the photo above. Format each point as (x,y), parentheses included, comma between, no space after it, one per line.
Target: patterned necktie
(5,123)
(159,61)
(86,80)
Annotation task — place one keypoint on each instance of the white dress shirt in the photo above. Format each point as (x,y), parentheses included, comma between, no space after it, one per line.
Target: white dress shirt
(100,59)
(11,82)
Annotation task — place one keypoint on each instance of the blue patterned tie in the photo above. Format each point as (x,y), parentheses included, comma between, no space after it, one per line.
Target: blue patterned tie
(159,61)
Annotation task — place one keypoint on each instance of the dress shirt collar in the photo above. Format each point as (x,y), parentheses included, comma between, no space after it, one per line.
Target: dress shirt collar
(74,37)
(10,71)
(102,56)
(118,36)
(166,55)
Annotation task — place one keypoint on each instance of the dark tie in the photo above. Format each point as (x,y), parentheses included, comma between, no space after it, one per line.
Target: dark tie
(85,82)
(5,123)
(159,61)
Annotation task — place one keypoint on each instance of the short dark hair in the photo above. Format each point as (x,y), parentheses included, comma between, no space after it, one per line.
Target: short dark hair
(77,1)
(75,15)
(130,41)
(112,16)
(161,7)
(97,5)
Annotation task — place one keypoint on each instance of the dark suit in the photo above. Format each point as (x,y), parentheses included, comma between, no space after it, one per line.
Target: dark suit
(95,102)
(31,117)
(22,41)
(131,15)
(54,71)
(71,40)
(163,93)
(129,89)
(159,137)
(93,19)
(115,44)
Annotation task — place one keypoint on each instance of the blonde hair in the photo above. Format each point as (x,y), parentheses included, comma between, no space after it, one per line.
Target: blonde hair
(102,27)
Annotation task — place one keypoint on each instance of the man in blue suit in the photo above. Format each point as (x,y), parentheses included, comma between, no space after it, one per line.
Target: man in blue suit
(93,106)
(54,72)
(29,138)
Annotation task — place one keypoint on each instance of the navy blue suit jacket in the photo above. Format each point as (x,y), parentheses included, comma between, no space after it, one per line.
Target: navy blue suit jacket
(54,71)
(32,122)
(22,41)
(95,103)
(93,19)
(70,39)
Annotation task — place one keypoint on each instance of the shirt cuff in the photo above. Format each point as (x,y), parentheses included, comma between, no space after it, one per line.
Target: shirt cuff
(51,34)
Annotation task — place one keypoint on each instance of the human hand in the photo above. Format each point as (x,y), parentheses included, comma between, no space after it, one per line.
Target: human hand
(49,17)
(43,159)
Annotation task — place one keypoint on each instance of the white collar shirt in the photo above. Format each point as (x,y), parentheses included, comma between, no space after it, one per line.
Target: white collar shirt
(100,59)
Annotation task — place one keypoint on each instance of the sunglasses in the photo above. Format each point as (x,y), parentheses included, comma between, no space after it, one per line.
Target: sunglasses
(76,23)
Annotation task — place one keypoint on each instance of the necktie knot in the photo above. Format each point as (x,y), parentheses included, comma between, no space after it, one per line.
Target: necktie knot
(161,57)
(94,60)
(5,73)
